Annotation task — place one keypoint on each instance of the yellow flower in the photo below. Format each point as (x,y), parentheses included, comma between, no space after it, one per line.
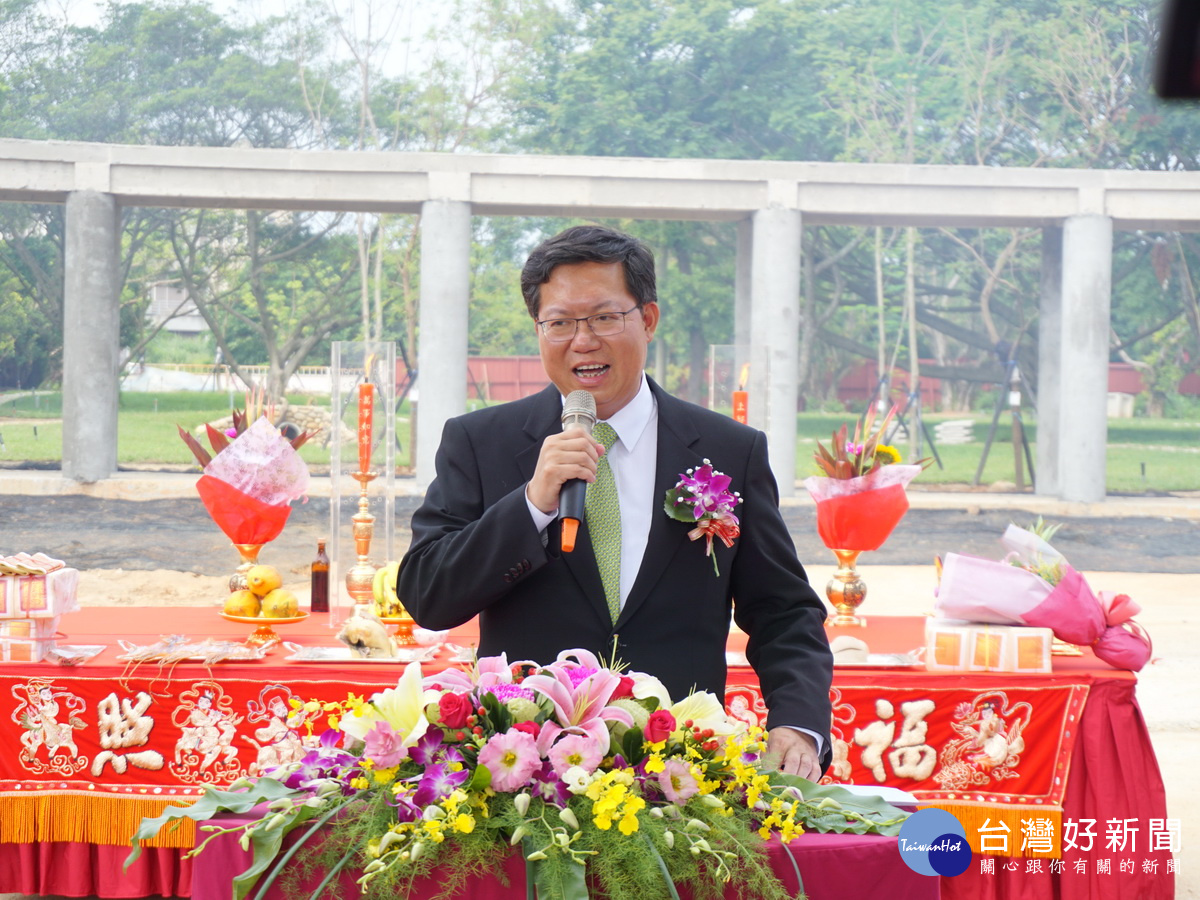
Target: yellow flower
(886,455)
(464,823)
(384,776)
(359,784)
(654,763)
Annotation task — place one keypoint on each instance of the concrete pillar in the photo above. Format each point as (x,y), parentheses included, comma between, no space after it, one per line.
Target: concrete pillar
(445,294)
(741,283)
(91,336)
(742,349)
(1049,374)
(775,326)
(1083,375)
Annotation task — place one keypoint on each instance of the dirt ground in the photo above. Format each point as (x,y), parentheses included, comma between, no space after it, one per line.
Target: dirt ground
(168,552)
(178,535)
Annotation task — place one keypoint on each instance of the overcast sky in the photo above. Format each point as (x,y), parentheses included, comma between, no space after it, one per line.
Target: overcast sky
(410,20)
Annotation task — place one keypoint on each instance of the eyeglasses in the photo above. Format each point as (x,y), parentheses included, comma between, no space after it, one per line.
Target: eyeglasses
(602,325)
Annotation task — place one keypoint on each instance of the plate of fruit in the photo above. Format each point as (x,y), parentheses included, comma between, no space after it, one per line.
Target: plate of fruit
(265,602)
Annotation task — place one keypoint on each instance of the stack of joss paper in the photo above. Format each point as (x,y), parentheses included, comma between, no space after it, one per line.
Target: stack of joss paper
(1035,585)
(35,590)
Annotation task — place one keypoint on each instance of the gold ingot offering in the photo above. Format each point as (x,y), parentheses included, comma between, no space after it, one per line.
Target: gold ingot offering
(846,590)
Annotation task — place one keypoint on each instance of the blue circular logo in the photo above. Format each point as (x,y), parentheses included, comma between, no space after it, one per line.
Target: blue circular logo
(934,842)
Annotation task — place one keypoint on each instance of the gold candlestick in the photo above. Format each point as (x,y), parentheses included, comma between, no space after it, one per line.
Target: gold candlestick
(361,577)
(360,580)
(846,590)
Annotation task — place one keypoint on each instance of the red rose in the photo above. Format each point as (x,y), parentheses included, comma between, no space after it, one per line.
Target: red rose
(453,709)
(660,726)
(624,688)
(533,729)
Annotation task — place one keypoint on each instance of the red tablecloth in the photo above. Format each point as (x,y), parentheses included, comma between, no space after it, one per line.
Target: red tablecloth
(47,814)
(833,867)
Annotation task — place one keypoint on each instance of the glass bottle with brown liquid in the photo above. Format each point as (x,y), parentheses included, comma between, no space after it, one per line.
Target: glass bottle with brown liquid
(320,580)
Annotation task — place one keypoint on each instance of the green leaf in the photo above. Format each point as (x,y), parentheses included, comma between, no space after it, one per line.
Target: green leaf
(847,813)
(560,882)
(497,712)
(681,512)
(662,866)
(481,778)
(631,746)
(213,802)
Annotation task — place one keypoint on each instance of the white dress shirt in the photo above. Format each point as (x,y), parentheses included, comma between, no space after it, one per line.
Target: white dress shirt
(632,460)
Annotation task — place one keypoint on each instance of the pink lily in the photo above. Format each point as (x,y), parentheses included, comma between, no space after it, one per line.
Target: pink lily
(580,703)
(485,672)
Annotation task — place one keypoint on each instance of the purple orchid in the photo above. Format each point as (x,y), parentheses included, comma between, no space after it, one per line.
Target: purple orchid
(322,763)
(709,490)
(546,784)
(438,782)
(428,750)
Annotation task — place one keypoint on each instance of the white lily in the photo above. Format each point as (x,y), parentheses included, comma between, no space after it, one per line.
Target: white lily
(705,711)
(401,707)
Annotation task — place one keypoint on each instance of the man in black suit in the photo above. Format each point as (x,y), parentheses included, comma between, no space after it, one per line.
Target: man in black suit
(486,541)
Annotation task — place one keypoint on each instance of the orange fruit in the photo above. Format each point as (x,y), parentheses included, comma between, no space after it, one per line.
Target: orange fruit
(280,604)
(242,603)
(263,579)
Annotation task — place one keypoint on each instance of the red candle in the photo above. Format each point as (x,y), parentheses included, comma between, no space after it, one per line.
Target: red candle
(741,406)
(366,406)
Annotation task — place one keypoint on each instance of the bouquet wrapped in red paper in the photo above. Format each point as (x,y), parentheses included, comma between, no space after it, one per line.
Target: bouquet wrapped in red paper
(248,484)
(861,497)
(1034,585)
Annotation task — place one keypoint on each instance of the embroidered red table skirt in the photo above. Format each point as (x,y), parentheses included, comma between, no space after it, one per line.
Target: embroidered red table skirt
(89,751)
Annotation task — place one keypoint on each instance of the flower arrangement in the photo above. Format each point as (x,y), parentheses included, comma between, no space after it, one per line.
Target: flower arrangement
(1035,585)
(861,495)
(860,456)
(702,498)
(591,772)
(251,475)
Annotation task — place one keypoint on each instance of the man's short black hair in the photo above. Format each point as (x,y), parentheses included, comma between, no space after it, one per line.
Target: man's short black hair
(590,243)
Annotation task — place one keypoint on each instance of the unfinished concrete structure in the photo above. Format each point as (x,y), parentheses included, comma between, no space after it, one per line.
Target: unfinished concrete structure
(1077,209)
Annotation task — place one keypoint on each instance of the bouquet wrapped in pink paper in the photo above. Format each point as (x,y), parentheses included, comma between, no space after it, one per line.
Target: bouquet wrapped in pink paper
(1034,585)
(249,482)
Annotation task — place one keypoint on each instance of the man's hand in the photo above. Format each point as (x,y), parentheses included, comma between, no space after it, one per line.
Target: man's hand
(794,752)
(566,455)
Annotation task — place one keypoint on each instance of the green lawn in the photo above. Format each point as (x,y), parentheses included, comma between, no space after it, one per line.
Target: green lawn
(1143,454)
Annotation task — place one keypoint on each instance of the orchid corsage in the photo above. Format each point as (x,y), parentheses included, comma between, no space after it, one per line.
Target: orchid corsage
(702,498)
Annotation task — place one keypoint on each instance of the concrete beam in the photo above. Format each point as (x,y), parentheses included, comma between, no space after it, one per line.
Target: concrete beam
(442,352)
(841,193)
(91,336)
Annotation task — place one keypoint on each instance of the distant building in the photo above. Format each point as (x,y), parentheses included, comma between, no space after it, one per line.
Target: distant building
(169,304)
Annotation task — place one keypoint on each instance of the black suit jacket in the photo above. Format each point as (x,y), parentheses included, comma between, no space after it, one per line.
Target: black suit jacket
(475,551)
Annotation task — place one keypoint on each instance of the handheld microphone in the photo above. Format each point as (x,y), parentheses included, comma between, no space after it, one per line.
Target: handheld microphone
(579,409)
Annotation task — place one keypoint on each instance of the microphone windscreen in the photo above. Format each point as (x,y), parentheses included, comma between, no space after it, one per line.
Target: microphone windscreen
(579,409)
